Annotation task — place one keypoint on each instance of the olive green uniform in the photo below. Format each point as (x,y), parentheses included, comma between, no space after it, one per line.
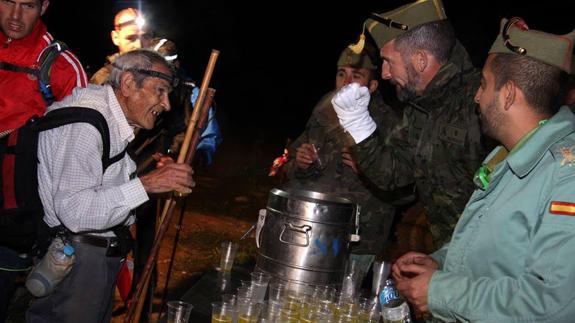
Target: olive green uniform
(438,147)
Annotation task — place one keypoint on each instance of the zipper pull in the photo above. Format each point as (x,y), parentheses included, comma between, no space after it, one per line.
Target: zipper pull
(7,43)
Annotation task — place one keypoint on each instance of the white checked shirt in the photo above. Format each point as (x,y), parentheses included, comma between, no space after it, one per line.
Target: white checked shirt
(73,190)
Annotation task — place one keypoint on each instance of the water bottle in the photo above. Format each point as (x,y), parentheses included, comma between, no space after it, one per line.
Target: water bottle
(50,271)
(394,309)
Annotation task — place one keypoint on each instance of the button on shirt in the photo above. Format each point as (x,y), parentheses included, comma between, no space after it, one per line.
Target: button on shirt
(511,255)
(73,189)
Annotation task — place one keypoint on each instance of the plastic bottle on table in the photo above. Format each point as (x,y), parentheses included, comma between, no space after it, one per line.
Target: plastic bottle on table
(54,266)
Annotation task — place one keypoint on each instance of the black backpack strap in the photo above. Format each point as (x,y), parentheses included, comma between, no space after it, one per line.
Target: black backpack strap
(19,69)
(44,63)
(68,115)
(114,159)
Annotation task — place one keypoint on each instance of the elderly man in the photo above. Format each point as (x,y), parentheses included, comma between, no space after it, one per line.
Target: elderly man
(93,206)
(127,33)
(439,145)
(510,258)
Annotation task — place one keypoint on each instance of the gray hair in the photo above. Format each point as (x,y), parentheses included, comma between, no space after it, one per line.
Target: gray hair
(137,59)
(437,37)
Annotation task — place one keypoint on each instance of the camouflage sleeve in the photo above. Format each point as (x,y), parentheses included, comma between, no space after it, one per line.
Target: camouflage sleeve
(387,160)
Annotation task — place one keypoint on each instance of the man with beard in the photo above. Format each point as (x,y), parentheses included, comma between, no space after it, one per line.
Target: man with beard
(510,258)
(440,145)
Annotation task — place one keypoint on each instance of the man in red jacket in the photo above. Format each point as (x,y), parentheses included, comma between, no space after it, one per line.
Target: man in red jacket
(22,40)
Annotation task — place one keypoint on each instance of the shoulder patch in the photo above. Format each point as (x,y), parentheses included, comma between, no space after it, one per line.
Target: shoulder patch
(567,156)
(452,133)
(562,208)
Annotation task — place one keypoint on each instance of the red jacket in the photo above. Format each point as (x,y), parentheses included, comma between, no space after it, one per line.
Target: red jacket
(20,97)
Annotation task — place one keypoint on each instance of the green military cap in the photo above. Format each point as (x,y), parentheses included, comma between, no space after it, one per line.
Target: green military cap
(349,57)
(386,26)
(516,38)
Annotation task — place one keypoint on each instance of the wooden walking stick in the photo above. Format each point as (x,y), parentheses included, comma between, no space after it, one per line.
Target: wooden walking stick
(190,156)
(137,302)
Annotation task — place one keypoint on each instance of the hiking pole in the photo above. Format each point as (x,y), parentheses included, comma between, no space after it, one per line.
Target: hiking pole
(134,311)
(191,153)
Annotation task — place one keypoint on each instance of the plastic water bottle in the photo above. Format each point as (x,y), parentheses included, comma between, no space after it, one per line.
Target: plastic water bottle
(50,271)
(394,309)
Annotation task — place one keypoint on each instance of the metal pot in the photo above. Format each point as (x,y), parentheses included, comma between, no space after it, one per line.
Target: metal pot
(305,236)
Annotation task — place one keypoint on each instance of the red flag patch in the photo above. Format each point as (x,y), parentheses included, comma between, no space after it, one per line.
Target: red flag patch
(562,208)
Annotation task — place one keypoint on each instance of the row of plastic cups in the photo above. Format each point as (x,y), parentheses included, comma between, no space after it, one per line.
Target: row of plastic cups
(294,309)
(225,312)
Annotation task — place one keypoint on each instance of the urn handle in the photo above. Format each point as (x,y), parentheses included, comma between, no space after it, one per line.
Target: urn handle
(304,229)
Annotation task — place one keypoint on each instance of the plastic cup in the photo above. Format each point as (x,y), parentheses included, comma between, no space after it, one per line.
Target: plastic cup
(248,312)
(179,312)
(259,284)
(229,250)
(223,312)
(381,270)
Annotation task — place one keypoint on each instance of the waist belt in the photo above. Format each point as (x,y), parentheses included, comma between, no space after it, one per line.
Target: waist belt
(101,242)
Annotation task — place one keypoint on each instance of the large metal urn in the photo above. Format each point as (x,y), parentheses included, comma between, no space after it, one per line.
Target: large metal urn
(304,236)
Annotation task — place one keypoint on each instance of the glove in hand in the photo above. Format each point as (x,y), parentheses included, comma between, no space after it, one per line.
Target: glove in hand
(350,104)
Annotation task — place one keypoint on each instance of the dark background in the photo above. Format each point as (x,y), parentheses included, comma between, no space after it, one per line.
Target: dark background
(277,58)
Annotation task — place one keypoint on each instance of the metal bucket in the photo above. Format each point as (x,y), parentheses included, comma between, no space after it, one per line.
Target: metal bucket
(305,236)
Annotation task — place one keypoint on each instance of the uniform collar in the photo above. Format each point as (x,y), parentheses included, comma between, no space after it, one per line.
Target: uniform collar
(448,80)
(528,156)
(126,131)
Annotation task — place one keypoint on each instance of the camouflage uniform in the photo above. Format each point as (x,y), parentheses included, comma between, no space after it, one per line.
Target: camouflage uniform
(439,146)
(324,131)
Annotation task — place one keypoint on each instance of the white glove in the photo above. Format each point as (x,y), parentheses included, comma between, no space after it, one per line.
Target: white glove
(350,103)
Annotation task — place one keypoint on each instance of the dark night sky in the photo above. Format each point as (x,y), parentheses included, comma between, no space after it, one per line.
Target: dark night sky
(277,58)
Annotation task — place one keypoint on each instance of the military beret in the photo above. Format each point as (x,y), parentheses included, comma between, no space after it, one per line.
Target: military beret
(516,38)
(349,57)
(386,26)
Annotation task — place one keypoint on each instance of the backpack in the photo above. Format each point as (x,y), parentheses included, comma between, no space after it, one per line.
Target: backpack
(42,69)
(21,209)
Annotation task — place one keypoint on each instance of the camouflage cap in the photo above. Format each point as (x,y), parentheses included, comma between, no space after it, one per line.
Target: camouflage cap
(516,38)
(349,57)
(388,25)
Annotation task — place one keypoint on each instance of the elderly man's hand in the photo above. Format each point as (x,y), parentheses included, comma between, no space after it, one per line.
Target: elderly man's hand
(169,177)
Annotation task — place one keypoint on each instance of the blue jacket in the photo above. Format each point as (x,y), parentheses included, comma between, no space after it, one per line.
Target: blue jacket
(511,257)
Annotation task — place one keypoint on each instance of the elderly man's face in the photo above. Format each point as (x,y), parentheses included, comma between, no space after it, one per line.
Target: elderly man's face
(18,17)
(146,103)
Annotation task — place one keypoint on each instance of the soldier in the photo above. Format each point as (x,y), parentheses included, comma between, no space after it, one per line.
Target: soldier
(510,258)
(324,163)
(439,145)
